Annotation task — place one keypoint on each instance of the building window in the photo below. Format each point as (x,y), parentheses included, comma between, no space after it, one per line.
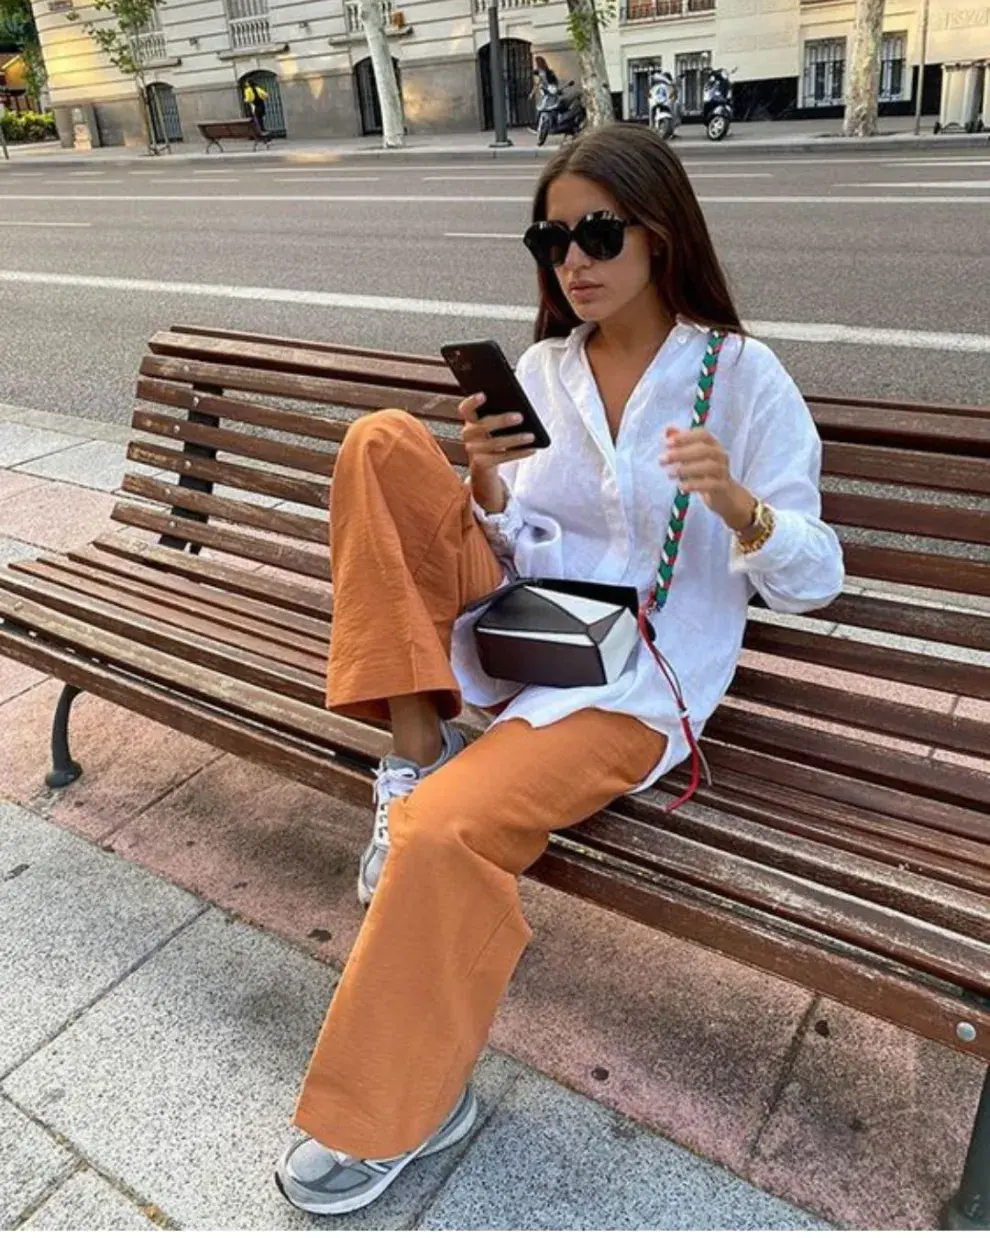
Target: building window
(639,86)
(690,70)
(892,61)
(248,21)
(824,70)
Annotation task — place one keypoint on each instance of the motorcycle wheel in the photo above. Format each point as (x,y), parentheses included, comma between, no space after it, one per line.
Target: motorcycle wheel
(542,129)
(717,128)
(666,128)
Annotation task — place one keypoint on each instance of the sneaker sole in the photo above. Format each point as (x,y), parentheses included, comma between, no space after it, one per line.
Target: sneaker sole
(339,1207)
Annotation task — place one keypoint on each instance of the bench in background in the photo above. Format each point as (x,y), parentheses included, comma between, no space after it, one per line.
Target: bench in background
(244,129)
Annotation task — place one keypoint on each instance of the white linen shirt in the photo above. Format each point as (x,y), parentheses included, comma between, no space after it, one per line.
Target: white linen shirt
(586,508)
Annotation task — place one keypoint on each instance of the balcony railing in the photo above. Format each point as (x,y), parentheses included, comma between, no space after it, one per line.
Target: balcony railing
(481,6)
(353,11)
(150,47)
(658,10)
(248,32)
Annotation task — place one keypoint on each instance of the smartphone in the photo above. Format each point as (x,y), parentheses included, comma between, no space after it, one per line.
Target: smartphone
(480,365)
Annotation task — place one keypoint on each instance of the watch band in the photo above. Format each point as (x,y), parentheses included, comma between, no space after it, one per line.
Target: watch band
(760,531)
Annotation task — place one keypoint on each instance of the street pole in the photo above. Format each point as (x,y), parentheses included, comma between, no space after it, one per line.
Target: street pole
(921,67)
(497,77)
(3,143)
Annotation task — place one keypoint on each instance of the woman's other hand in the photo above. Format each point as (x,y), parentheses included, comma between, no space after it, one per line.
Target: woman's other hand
(485,453)
(700,464)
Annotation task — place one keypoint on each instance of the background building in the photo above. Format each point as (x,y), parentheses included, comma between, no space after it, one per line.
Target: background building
(788,58)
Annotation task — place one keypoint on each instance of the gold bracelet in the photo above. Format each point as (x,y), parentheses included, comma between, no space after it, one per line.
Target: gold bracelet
(764,522)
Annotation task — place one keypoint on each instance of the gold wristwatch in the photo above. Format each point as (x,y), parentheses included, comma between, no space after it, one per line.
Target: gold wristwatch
(757,533)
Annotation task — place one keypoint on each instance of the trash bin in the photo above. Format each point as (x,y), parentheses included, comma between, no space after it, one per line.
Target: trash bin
(962,96)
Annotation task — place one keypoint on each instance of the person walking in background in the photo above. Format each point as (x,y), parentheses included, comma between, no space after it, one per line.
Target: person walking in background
(256,98)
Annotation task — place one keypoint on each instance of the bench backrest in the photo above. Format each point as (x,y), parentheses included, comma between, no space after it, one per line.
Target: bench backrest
(226,128)
(905,485)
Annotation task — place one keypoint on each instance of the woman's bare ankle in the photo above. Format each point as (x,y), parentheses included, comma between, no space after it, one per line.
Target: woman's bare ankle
(416,732)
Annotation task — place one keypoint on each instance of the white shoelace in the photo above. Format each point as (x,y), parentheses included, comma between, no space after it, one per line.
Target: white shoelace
(391,783)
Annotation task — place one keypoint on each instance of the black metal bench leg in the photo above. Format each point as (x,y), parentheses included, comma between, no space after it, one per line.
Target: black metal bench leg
(64,769)
(970,1206)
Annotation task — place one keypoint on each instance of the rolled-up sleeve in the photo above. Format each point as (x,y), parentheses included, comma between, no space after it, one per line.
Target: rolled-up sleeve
(502,528)
(799,568)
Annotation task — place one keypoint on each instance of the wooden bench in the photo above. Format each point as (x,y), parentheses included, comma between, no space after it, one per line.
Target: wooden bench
(823,853)
(244,129)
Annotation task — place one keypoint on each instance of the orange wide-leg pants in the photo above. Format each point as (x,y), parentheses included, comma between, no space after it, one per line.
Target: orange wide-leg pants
(445,931)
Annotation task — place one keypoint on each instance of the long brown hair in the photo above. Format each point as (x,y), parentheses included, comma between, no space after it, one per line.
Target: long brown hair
(648,184)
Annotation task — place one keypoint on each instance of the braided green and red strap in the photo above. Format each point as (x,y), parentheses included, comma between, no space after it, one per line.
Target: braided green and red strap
(665,571)
(679,507)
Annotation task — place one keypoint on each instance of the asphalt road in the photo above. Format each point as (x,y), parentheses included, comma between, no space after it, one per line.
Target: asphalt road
(893,248)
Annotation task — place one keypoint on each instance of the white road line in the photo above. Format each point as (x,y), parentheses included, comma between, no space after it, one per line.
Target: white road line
(325,179)
(490,176)
(803,332)
(916,185)
(257,197)
(484,236)
(488,199)
(39,223)
(70,180)
(938,163)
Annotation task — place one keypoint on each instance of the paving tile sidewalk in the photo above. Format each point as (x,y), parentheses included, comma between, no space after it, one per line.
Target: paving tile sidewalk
(173,925)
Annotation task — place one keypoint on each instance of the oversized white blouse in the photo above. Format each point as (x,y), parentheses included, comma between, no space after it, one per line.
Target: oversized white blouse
(586,508)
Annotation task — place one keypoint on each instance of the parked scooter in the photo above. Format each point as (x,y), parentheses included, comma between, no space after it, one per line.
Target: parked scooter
(717,107)
(665,110)
(559,110)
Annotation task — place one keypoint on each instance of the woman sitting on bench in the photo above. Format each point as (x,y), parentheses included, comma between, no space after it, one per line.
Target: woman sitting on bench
(661,417)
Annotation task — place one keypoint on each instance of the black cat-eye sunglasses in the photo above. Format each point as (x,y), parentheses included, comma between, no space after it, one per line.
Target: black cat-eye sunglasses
(600,235)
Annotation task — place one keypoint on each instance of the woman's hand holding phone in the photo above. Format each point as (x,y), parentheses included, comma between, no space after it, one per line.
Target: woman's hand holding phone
(486,452)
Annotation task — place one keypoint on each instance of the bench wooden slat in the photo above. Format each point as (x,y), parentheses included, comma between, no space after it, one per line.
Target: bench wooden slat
(268,642)
(880,880)
(160,634)
(933,470)
(927,623)
(980,411)
(890,718)
(955,785)
(787,770)
(305,599)
(251,700)
(846,917)
(858,832)
(253,337)
(862,658)
(262,550)
(347,395)
(898,516)
(288,626)
(252,447)
(240,476)
(902,427)
(230,511)
(909,567)
(306,363)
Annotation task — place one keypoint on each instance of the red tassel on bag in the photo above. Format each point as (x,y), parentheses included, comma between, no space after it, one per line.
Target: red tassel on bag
(696,755)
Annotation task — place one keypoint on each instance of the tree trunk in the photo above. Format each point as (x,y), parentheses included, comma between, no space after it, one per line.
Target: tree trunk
(582,20)
(864,71)
(373,22)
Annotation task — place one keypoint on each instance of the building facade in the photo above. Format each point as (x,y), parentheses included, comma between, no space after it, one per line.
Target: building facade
(787,57)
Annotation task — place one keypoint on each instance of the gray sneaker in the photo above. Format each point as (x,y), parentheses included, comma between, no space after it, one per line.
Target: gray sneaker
(327,1183)
(395,779)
